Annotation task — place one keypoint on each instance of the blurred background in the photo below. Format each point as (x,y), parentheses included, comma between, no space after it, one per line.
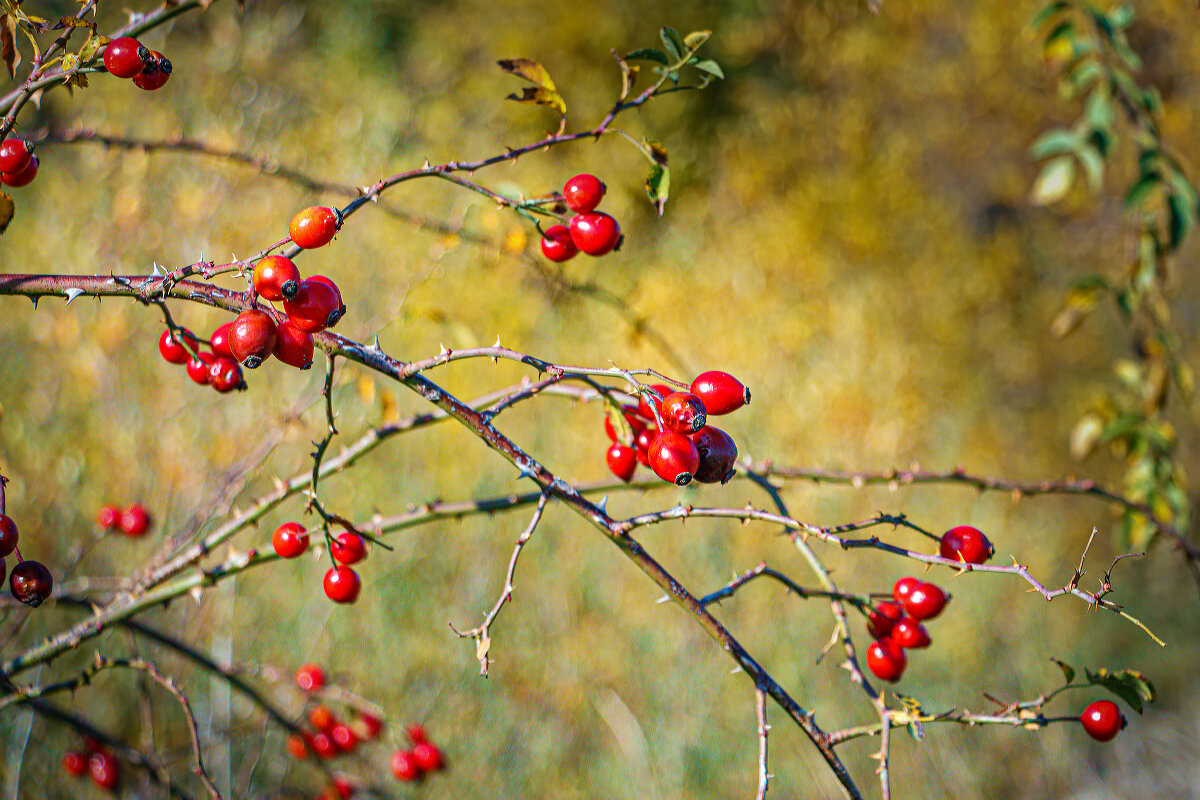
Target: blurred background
(848,232)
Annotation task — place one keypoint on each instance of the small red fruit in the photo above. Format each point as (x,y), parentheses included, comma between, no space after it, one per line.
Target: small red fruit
(297,747)
(276,277)
(105,770)
(322,718)
(683,412)
(557,244)
(126,57)
(172,348)
(622,460)
(718,453)
(219,341)
(293,346)
(642,443)
(341,303)
(416,734)
(965,543)
(674,457)
(427,756)
(583,192)
(348,548)
(155,74)
(1102,720)
(343,737)
(309,677)
(881,618)
(197,368)
(925,601)
(645,400)
(595,233)
(15,155)
(404,767)
(22,177)
(370,725)
(75,764)
(342,787)
(909,633)
(720,392)
(253,337)
(886,659)
(291,540)
(342,584)
(225,375)
(8,535)
(902,588)
(636,423)
(323,746)
(135,521)
(314,227)
(315,307)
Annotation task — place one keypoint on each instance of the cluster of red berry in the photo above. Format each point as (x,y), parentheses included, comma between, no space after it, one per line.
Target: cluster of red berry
(104,768)
(128,58)
(133,521)
(18,164)
(216,367)
(421,758)
(589,230)
(341,583)
(30,581)
(329,735)
(686,447)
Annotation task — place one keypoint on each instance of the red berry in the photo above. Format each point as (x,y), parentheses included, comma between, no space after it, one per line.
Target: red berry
(342,787)
(909,633)
(276,277)
(427,756)
(370,725)
(333,320)
(886,659)
(416,734)
(297,747)
(636,423)
(15,155)
(155,74)
(126,57)
(225,375)
(404,767)
(674,457)
(683,412)
(622,460)
(314,227)
(645,400)
(75,764)
(348,548)
(583,192)
(965,543)
(881,618)
(342,584)
(197,368)
(2,569)
(291,540)
(253,337)
(323,746)
(1102,720)
(322,718)
(105,770)
(8,535)
(720,392)
(309,677)
(293,346)
(172,348)
(343,737)
(642,442)
(22,177)
(135,521)
(315,307)
(595,233)
(902,588)
(717,455)
(925,601)
(557,244)
(219,341)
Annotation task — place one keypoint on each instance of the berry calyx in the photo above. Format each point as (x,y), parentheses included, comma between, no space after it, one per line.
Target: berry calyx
(646,399)
(886,660)
(135,521)
(720,392)
(427,756)
(966,544)
(22,177)
(197,367)
(902,588)
(314,227)
(315,306)
(595,233)
(683,412)
(252,338)
(126,57)
(404,766)
(348,548)
(909,633)
(557,244)
(309,677)
(881,618)
(583,192)
(75,764)
(291,540)
(293,346)
(8,535)
(15,155)
(718,452)
(219,341)
(622,460)
(674,457)
(1102,720)
(108,517)
(276,277)
(342,584)
(30,582)
(925,601)
(105,770)
(172,348)
(155,74)
(297,747)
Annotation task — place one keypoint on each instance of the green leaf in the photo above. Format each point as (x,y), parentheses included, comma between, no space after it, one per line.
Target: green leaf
(1093,167)
(1098,109)
(1054,181)
(658,186)
(709,66)
(1054,142)
(1138,193)
(695,39)
(1121,17)
(648,54)
(1180,219)
(1129,685)
(1067,670)
(1048,13)
(672,42)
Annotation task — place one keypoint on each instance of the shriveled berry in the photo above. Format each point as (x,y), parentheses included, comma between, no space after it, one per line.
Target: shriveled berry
(348,548)
(155,74)
(15,155)
(645,400)
(22,177)
(557,244)
(720,392)
(315,307)
(197,368)
(925,601)
(427,756)
(297,747)
(219,341)
(909,633)
(126,57)
(30,582)
(309,677)
(276,277)
(172,348)
(682,412)
(718,453)
(290,540)
(886,660)
(595,233)
(75,764)
(404,766)
(105,770)
(343,737)
(967,544)
(314,227)
(135,521)
(342,584)
(583,192)
(622,460)
(252,338)
(881,618)
(8,535)
(902,588)
(1102,720)
(293,346)
(674,457)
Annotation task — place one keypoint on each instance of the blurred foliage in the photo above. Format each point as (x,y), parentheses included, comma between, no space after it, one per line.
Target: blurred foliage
(850,231)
